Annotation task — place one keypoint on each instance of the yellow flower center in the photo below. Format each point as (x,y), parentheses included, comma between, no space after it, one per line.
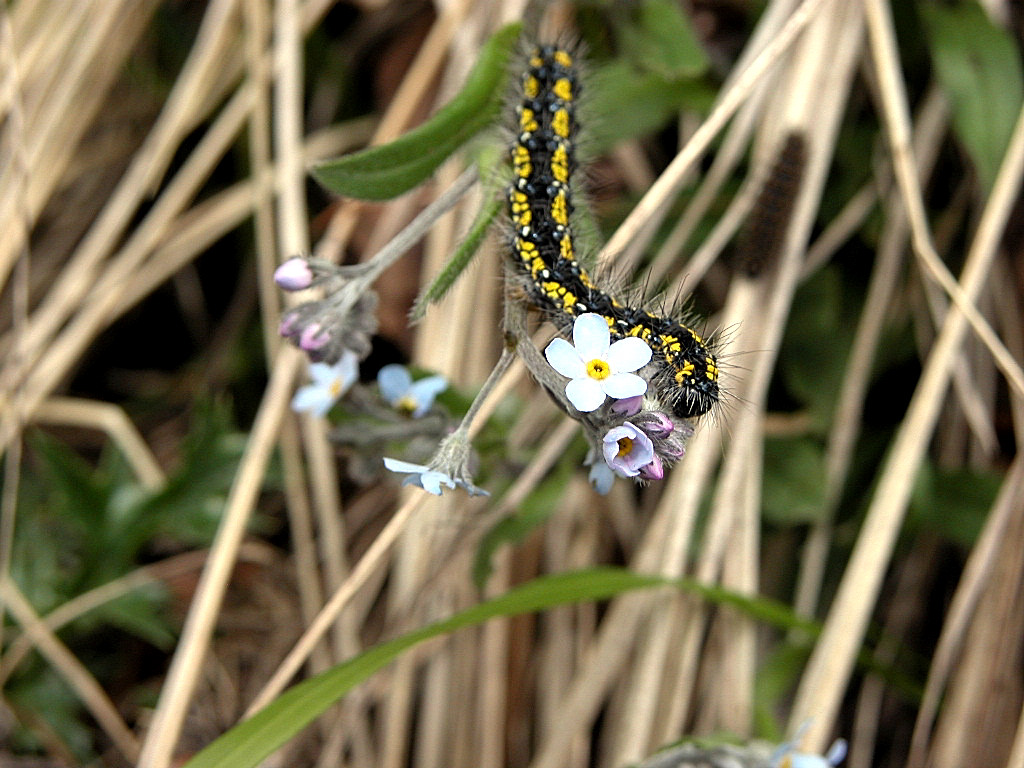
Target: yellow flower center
(598,369)
(625,446)
(335,388)
(407,404)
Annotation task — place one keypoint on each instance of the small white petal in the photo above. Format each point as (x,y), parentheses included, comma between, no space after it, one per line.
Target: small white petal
(424,391)
(393,381)
(565,359)
(397,465)
(590,334)
(431,482)
(313,399)
(586,395)
(322,373)
(629,354)
(602,478)
(623,385)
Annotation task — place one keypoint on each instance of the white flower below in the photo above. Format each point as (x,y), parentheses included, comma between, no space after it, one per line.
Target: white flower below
(330,382)
(430,480)
(412,397)
(597,368)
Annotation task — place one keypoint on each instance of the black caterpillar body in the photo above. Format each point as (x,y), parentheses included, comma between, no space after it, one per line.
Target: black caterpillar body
(540,206)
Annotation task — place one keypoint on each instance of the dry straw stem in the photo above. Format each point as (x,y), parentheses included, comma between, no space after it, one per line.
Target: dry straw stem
(74,673)
(636,230)
(824,681)
(112,420)
(976,575)
(843,436)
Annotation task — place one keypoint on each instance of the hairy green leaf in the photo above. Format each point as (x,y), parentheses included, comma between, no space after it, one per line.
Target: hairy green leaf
(380,173)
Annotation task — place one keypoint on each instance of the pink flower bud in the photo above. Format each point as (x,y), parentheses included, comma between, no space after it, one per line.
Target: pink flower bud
(294,275)
(653,471)
(313,337)
(628,406)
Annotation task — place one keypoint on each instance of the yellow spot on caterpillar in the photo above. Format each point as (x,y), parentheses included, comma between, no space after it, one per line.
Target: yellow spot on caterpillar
(560,164)
(521,161)
(563,89)
(560,209)
(565,248)
(712,369)
(685,372)
(639,330)
(536,61)
(530,85)
(563,58)
(560,123)
(527,120)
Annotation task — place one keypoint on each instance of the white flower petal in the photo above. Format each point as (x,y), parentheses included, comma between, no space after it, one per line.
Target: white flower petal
(394,381)
(397,465)
(565,359)
(322,373)
(623,385)
(590,334)
(424,391)
(602,477)
(586,395)
(629,354)
(313,399)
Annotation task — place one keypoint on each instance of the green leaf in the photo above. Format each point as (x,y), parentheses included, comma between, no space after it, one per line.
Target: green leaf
(978,66)
(952,503)
(460,259)
(383,172)
(249,742)
(662,41)
(794,480)
(816,346)
(625,103)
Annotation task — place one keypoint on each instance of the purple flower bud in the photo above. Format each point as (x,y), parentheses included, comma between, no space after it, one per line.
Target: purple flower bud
(294,275)
(314,337)
(653,471)
(290,325)
(659,425)
(628,406)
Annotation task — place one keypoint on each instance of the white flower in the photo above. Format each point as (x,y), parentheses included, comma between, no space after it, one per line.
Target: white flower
(597,368)
(330,382)
(401,392)
(430,480)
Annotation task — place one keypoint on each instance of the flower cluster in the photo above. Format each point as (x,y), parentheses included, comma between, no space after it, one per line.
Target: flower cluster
(630,436)
(343,320)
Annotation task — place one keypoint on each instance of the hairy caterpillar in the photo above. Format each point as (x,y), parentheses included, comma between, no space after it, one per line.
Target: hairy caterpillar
(540,206)
(766,227)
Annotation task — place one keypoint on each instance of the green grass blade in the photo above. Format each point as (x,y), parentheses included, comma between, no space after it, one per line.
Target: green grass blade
(250,742)
(380,173)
